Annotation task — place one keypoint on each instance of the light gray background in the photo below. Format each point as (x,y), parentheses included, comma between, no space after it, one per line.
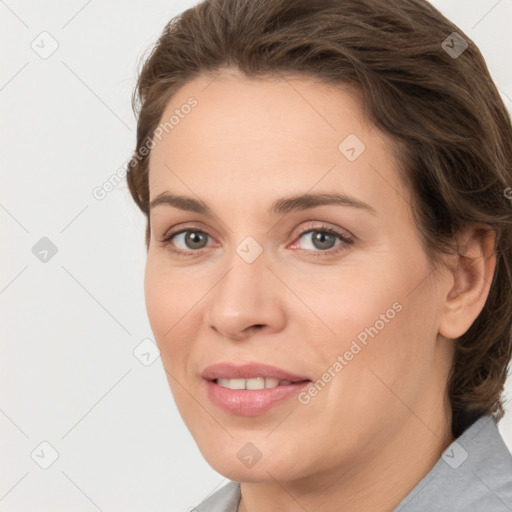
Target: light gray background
(68,373)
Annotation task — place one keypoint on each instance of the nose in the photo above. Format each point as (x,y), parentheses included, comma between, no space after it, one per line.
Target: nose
(247,299)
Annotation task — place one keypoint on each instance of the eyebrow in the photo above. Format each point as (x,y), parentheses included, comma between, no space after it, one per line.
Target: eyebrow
(280,206)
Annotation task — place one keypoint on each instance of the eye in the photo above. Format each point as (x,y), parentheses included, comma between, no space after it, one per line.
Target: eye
(192,240)
(322,240)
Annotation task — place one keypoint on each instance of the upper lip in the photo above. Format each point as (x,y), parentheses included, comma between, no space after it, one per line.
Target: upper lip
(248,370)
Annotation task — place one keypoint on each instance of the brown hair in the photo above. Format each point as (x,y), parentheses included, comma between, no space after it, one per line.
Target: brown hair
(441,109)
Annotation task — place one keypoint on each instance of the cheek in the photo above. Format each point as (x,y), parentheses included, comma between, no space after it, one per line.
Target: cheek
(348,300)
(378,321)
(381,369)
(167,306)
(172,323)
(158,300)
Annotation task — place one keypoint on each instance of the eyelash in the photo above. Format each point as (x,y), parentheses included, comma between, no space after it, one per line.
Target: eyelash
(346,241)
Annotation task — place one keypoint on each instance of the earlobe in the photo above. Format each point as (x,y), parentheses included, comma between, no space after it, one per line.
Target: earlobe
(473,273)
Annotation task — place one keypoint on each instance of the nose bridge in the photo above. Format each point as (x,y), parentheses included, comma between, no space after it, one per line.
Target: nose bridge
(246,294)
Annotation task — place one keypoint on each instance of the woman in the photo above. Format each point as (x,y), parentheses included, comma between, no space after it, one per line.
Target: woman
(329,251)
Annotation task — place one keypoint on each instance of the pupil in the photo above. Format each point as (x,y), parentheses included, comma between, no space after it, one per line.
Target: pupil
(321,237)
(194,237)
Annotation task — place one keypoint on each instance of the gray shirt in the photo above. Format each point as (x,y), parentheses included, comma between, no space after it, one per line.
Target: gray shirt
(473,474)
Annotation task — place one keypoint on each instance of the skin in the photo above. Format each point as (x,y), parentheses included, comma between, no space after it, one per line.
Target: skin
(377,428)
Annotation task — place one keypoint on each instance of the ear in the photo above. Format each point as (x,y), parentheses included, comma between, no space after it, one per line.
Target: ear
(473,271)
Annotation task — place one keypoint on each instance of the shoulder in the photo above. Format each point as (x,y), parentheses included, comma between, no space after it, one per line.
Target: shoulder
(473,473)
(226,499)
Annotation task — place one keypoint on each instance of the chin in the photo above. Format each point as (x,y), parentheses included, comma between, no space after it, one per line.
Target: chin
(242,461)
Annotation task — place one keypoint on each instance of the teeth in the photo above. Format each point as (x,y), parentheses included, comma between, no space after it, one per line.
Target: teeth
(255,383)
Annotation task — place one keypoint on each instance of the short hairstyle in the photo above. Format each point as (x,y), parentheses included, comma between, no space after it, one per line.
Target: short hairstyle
(450,130)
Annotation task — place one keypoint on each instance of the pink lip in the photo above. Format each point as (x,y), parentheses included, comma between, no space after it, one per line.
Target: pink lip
(250,402)
(247,371)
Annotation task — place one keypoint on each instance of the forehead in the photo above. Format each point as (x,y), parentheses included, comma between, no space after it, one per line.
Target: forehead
(234,112)
(267,133)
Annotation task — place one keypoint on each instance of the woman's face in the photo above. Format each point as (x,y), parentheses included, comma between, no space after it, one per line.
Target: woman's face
(337,293)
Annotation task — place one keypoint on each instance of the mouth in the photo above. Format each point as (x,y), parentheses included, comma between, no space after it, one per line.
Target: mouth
(255,383)
(252,388)
(250,374)
(231,397)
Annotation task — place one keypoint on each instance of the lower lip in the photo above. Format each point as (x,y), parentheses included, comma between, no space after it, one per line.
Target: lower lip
(249,402)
